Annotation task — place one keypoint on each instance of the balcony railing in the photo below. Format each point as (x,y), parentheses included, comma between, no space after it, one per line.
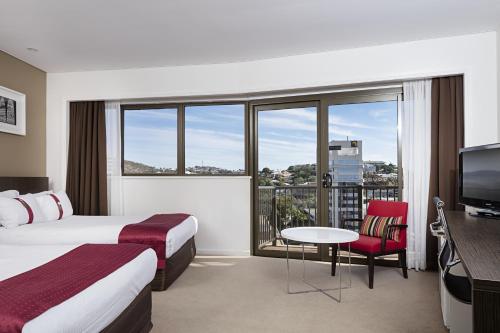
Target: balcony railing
(282,207)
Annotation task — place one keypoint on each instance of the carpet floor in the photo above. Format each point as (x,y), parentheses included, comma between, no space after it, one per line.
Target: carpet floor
(248,294)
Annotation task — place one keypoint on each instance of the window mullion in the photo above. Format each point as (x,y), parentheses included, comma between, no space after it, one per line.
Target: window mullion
(181,147)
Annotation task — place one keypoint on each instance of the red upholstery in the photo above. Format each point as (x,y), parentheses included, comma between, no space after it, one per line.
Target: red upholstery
(387,209)
(372,245)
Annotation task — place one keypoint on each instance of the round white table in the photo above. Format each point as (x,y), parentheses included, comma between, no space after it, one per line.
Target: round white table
(318,235)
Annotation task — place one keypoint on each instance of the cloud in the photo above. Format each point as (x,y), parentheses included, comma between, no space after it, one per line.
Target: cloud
(290,119)
(381,113)
(214,117)
(342,122)
(151,146)
(151,115)
(215,148)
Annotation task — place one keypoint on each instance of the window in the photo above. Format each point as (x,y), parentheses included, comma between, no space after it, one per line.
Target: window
(149,140)
(215,139)
(183,139)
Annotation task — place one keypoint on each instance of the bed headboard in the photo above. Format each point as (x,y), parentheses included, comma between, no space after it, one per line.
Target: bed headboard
(24,184)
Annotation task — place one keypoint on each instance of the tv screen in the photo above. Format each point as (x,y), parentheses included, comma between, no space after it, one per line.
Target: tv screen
(480,176)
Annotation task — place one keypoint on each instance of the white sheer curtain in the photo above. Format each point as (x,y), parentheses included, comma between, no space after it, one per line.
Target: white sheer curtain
(113,147)
(416,156)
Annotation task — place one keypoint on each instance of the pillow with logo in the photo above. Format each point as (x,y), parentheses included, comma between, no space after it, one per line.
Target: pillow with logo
(55,206)
(23,209)
(375,225)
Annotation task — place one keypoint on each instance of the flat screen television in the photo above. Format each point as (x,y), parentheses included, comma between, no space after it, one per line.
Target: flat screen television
(479,177)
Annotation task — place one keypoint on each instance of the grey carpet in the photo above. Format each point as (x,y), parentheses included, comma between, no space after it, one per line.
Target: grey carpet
(249,295)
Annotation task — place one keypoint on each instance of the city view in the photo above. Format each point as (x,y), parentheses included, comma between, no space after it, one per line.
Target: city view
(362,161)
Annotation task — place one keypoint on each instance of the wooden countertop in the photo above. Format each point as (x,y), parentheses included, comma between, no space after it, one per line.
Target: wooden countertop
(478,245)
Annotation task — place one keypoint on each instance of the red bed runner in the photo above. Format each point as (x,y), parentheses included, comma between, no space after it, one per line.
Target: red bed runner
(26,296)
(152,232)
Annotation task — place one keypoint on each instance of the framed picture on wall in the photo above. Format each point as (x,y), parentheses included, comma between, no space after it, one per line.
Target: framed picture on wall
(12,111)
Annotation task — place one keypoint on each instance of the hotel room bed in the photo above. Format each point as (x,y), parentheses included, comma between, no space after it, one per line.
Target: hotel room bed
(77,229)
(180,247)
(117,302)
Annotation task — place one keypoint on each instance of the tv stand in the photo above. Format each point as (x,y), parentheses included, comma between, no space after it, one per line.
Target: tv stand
(488,214)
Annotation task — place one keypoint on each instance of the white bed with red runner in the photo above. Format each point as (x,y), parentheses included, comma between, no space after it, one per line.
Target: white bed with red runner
(91,309)
(77,229)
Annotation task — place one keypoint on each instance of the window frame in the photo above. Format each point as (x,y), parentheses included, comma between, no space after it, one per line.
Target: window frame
(146,106)
(181,136)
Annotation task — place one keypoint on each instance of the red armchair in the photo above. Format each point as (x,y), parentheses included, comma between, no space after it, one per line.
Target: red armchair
(373,247)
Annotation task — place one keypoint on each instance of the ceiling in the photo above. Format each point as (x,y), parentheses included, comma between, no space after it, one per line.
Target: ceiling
(79,35)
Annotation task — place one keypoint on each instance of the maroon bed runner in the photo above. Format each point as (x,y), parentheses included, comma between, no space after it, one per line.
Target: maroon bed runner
(26,296)
(152,232)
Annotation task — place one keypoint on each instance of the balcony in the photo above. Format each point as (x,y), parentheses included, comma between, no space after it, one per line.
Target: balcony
(282,207)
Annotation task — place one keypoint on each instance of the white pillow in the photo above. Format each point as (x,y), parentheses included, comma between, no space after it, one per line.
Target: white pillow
(55,206)
(39,194)
(21,210)
(9,194)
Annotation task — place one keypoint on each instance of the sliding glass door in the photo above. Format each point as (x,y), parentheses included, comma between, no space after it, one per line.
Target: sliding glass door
(318,162)
(286,174)
(362,157)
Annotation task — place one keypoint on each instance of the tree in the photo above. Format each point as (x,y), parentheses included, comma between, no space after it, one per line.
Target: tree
(289,213)
(266,171)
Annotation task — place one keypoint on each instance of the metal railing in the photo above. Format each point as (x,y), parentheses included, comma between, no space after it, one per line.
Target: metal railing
(282,207)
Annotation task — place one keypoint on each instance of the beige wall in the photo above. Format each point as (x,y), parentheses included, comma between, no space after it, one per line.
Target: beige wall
(24,155)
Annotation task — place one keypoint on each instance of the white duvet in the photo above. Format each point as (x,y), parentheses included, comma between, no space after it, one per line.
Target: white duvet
(90,310)
(91,229)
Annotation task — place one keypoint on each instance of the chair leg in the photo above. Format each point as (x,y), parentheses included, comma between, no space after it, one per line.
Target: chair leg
(334,258)
(371,270)
(402,263)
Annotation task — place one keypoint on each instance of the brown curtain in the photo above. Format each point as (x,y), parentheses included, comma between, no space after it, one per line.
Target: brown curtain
(86,181)
(447,137)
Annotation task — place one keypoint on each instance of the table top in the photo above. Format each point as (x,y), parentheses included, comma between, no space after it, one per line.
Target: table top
(321,235)
(478,245)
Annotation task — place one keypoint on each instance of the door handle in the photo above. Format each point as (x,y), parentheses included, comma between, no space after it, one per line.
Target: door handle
(327,180)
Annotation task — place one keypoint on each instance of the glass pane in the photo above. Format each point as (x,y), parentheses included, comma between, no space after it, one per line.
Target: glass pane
(150,141)
(287,144)
(215,139)
(362,157)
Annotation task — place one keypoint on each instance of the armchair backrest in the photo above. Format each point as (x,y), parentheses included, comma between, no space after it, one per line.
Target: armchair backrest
(390,209)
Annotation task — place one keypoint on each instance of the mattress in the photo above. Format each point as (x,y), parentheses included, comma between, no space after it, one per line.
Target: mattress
(90,310)
(77,229)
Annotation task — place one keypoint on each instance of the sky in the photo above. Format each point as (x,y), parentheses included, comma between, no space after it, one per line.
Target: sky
(215,134)
(288,137)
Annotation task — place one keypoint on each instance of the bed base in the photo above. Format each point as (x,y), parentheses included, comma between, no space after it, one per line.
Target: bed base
(136,318)
(174,267)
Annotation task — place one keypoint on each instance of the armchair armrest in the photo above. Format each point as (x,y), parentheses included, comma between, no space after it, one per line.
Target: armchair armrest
(386,232)
(344,220)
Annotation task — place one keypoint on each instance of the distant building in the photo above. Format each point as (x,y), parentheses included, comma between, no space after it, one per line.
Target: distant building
(369,168)
(346,168)
(346,162)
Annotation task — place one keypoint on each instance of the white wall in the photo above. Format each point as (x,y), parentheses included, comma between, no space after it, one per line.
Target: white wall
(221,205)
(472,55)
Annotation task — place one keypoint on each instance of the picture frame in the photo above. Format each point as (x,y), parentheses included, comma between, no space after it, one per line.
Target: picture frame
(12,111)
